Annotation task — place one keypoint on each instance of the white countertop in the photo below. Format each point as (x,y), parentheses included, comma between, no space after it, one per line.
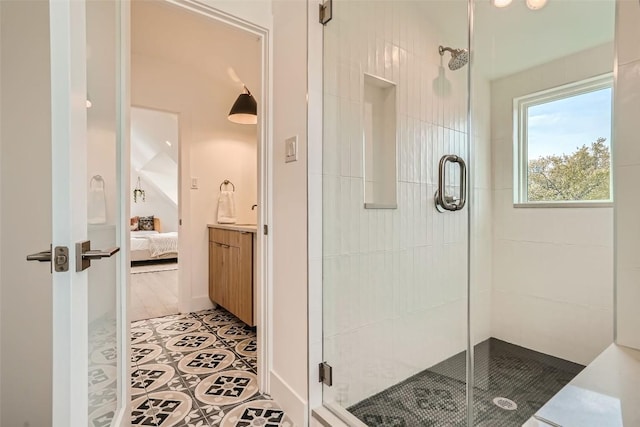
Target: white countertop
(251,228)
(605,393)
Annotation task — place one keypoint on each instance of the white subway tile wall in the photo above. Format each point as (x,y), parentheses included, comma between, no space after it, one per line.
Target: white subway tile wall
(395,298)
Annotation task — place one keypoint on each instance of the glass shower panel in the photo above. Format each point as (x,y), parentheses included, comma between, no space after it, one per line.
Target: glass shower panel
(541,218)
(395,273)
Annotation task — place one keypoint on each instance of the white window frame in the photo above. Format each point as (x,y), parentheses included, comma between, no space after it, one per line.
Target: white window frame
(521,158)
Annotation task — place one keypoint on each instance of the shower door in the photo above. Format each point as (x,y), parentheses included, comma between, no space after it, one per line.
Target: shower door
(395,264)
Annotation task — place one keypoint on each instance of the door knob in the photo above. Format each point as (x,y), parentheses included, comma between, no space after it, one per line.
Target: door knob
(84,254)
(44,256)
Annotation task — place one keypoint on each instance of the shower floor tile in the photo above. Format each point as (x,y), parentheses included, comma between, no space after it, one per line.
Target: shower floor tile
(198,370)
(437,396)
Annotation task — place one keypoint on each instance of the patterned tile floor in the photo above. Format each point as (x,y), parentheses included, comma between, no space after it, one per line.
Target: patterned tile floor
(437,396)
(198,370)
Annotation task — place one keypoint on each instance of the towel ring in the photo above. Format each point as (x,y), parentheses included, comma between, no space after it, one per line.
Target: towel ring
(227,182)
(98,179)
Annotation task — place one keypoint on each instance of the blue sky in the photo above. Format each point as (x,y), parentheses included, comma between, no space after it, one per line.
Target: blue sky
(562,126)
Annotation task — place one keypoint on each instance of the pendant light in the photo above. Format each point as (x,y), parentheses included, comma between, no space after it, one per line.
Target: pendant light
(244,110)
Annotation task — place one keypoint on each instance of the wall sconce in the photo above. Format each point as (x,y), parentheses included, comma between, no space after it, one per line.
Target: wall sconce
(245,109)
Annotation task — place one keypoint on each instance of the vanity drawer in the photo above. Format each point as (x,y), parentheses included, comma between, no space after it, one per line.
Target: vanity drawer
(225,237)
(228,237)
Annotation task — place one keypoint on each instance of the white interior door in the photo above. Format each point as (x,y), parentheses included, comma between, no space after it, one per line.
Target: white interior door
(63,334)
(90,357)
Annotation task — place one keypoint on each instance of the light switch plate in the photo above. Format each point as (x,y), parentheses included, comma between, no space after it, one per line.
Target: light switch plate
(291,149)
(194,183)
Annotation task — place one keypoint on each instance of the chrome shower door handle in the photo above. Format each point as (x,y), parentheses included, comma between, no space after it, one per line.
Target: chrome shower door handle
(445,202)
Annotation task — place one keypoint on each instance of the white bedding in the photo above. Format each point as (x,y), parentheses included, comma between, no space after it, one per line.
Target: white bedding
(157,244)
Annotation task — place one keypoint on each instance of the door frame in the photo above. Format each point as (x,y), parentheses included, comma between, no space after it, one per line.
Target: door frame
(123,173)
(263,274)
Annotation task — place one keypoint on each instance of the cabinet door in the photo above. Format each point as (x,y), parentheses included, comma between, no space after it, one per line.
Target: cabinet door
(234,271)
(218,277)
(241,278)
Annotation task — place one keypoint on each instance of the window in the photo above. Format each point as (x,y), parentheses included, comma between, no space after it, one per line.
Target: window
(564,145)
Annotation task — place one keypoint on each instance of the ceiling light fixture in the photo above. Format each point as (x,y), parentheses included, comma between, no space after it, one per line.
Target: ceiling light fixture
(531,4)
(245,109)
(536,4)
(501,3)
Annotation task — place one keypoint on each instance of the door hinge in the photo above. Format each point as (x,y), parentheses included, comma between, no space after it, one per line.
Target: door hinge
(326,374)
(265,229)
(326,12)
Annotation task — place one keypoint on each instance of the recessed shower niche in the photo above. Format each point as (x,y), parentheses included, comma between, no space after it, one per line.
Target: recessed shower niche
(379,119)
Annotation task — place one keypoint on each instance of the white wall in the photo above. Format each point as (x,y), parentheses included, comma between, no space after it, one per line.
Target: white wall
(552,267)
(626,164)
(289,228)
(212,148)
(26,305)
(395,280)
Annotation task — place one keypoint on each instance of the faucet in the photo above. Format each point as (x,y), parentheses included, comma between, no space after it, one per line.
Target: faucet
(253,207)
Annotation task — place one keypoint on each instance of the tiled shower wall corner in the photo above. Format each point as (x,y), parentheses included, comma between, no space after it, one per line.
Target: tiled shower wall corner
(395,280)
(626,160)
(569,270)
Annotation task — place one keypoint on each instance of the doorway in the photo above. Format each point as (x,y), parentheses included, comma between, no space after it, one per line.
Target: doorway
(153,249)
(194,74)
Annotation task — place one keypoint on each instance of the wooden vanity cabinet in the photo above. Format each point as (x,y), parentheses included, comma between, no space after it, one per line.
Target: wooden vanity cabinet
(231,272)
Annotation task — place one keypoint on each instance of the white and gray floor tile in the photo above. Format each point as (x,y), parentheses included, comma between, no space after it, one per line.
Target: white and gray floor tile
(198,370)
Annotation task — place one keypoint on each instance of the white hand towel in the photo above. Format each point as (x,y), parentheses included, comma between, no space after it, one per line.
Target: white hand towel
(97,203)
(226,208)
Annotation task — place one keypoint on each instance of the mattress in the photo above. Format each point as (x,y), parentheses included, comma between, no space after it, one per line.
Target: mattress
(147,245)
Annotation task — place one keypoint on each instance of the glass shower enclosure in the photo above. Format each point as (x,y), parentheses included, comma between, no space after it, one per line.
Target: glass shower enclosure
(466,277)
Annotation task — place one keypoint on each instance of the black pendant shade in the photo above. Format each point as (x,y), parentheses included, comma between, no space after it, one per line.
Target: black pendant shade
(244,110)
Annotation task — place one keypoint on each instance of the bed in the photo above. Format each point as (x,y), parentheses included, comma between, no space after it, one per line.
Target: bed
(150,245)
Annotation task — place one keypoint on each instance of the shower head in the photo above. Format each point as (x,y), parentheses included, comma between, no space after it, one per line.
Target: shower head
(459,57)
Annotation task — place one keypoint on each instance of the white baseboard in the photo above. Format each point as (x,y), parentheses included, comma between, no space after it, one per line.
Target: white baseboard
(200,303)
(123,418)
(294,405)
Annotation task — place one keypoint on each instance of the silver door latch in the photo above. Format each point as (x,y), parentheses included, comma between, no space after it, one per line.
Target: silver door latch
(60,262)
